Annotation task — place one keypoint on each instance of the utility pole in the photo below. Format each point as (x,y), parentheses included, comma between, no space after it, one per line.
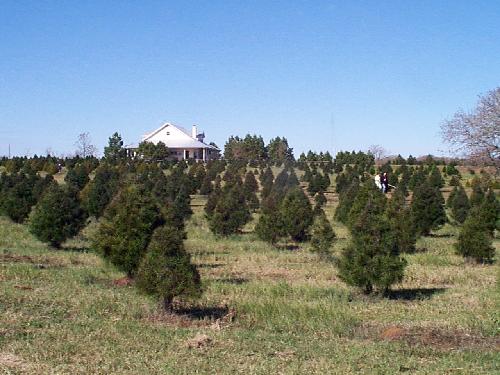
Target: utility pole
(9,150)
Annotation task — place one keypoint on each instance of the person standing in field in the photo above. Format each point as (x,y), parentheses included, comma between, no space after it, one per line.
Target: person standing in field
(385,182)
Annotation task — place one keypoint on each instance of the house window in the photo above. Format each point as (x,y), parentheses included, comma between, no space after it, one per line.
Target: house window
(168,133)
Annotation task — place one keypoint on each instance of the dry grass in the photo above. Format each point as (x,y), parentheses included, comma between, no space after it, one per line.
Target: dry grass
(264,310)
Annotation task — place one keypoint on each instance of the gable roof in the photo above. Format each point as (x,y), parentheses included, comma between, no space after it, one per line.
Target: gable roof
(187,140)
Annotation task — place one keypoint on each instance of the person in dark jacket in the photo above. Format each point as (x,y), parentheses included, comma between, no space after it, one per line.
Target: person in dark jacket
(384,180)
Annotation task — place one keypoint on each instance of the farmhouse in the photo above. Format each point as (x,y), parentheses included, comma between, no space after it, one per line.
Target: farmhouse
(181,144)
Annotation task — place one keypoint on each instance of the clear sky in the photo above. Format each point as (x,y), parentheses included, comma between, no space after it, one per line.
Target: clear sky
(328,75)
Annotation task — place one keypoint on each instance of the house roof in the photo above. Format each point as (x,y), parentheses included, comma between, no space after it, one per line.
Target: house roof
(186,142)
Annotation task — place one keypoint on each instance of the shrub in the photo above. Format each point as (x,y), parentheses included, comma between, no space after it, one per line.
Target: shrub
(166,270)
(372,257)
(427,208)
(77,177)
(57,216)
(231,211)
(401,223)
(475,240)
(459,204)
(297,215)
(99,192)
(322,235)
(126,228)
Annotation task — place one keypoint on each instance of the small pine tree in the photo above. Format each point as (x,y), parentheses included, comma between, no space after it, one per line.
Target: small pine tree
(427,208)
(322,235)
(99,192)
(400,221)
(490,211)
(57,216)
(454,181)
(372,258)
(231,212)
(477,196)
(126,228)
(346,199)
(435,178)
(166,270)
(77,177)
(266,181)
(270,227)
(368,191)
(297,215)
(213,198)
(475,240)
(459,205)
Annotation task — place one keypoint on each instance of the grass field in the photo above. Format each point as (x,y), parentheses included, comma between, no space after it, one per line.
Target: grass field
(264,311)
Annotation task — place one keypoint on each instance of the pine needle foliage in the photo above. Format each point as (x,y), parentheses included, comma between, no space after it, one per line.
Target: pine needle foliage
(372,259)
(475,239)
(126,228)
(166,270)
(57,216)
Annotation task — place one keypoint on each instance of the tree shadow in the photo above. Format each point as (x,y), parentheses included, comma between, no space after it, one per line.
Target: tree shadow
(288,247)
(210,253)
(413,294)
(232,280)
(209,265)
(440,235)
(76,249)
(202,312)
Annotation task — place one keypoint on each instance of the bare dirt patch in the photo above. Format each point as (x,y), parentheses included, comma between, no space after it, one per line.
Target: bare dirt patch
(12,361)
(123,281)
(438,338)
(199,341)
(216,318)
(38,262)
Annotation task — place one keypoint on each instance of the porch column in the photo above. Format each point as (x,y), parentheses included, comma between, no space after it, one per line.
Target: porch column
(204,156)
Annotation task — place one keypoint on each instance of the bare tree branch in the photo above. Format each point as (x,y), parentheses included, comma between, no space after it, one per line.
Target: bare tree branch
(476,134)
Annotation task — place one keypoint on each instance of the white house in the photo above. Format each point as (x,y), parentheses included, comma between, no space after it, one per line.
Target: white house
(181,144)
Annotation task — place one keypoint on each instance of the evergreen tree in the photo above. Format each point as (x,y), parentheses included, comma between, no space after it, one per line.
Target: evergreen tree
(427,208)
(346,199)
(401,223)
(367,192)
(475,240)
(477,196)
(372,257)
(166,270)
(459,205)
(266,181)
(206,185)
(114,152)
(320,201)
(57,216)
(297,215)
(322,235)
(490,211)
(213,198)
(99,192)
(77,177)
(435,178)
(126,228)
(270,227)
(231,211)
(250,184)
(454,181)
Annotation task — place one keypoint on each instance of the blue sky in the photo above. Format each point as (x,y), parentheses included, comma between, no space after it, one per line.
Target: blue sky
(328,75)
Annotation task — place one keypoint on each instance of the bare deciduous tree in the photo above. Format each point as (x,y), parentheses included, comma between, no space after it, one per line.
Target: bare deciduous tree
(377,151)
(84,146)
(476,134)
